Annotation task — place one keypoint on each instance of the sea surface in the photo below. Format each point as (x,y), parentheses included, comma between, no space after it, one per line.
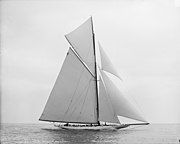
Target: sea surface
(48,134)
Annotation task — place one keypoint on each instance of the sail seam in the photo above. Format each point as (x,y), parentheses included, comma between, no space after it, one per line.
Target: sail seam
(78,101)
(82,107)
(74,92)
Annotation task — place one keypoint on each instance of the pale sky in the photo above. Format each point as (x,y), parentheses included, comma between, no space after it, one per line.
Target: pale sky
(141,37)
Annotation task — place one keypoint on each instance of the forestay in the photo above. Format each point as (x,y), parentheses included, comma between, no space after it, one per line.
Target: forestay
(73,98)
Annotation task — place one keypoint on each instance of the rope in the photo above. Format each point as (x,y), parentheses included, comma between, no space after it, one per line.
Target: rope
(72,97)
(84,99)
(79,99)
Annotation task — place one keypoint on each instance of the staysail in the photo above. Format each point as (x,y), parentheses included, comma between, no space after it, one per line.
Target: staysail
(81,39)
(120,104)
(106,110)
(73,98)
(106,64)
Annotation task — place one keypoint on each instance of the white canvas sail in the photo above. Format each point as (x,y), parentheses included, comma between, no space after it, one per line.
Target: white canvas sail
(106,64)
(106,111)
(121,105)
(81,39)
(73,98)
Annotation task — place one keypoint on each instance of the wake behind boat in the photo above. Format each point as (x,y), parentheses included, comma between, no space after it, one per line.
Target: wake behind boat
(83,92)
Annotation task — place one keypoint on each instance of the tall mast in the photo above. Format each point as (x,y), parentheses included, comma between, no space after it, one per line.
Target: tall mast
(95,64)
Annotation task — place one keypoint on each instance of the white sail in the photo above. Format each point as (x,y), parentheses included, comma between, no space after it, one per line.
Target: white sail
(106,111)
(121,105)
(73,98)
(106,64)
(81,40)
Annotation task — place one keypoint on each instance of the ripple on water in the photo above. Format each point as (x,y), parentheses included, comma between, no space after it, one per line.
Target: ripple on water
(47,133)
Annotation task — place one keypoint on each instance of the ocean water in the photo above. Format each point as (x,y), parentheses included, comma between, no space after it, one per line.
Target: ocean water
(48,134)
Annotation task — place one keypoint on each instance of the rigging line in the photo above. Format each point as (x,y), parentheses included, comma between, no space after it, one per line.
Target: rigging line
(81,74)
(79,100)
(79,57)
(81,94)
(85,98)
(76,87)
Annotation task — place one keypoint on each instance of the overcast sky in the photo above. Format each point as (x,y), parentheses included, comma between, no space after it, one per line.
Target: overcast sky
(142,38)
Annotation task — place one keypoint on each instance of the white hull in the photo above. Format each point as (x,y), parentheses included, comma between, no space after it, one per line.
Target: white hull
(102,127)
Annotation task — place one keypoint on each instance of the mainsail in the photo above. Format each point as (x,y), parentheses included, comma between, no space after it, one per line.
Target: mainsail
(74,97)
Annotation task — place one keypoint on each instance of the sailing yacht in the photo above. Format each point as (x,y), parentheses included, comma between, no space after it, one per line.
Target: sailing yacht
(84,96)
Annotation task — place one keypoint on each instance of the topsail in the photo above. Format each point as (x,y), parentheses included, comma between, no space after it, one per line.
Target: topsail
(81,39)
(106,64)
